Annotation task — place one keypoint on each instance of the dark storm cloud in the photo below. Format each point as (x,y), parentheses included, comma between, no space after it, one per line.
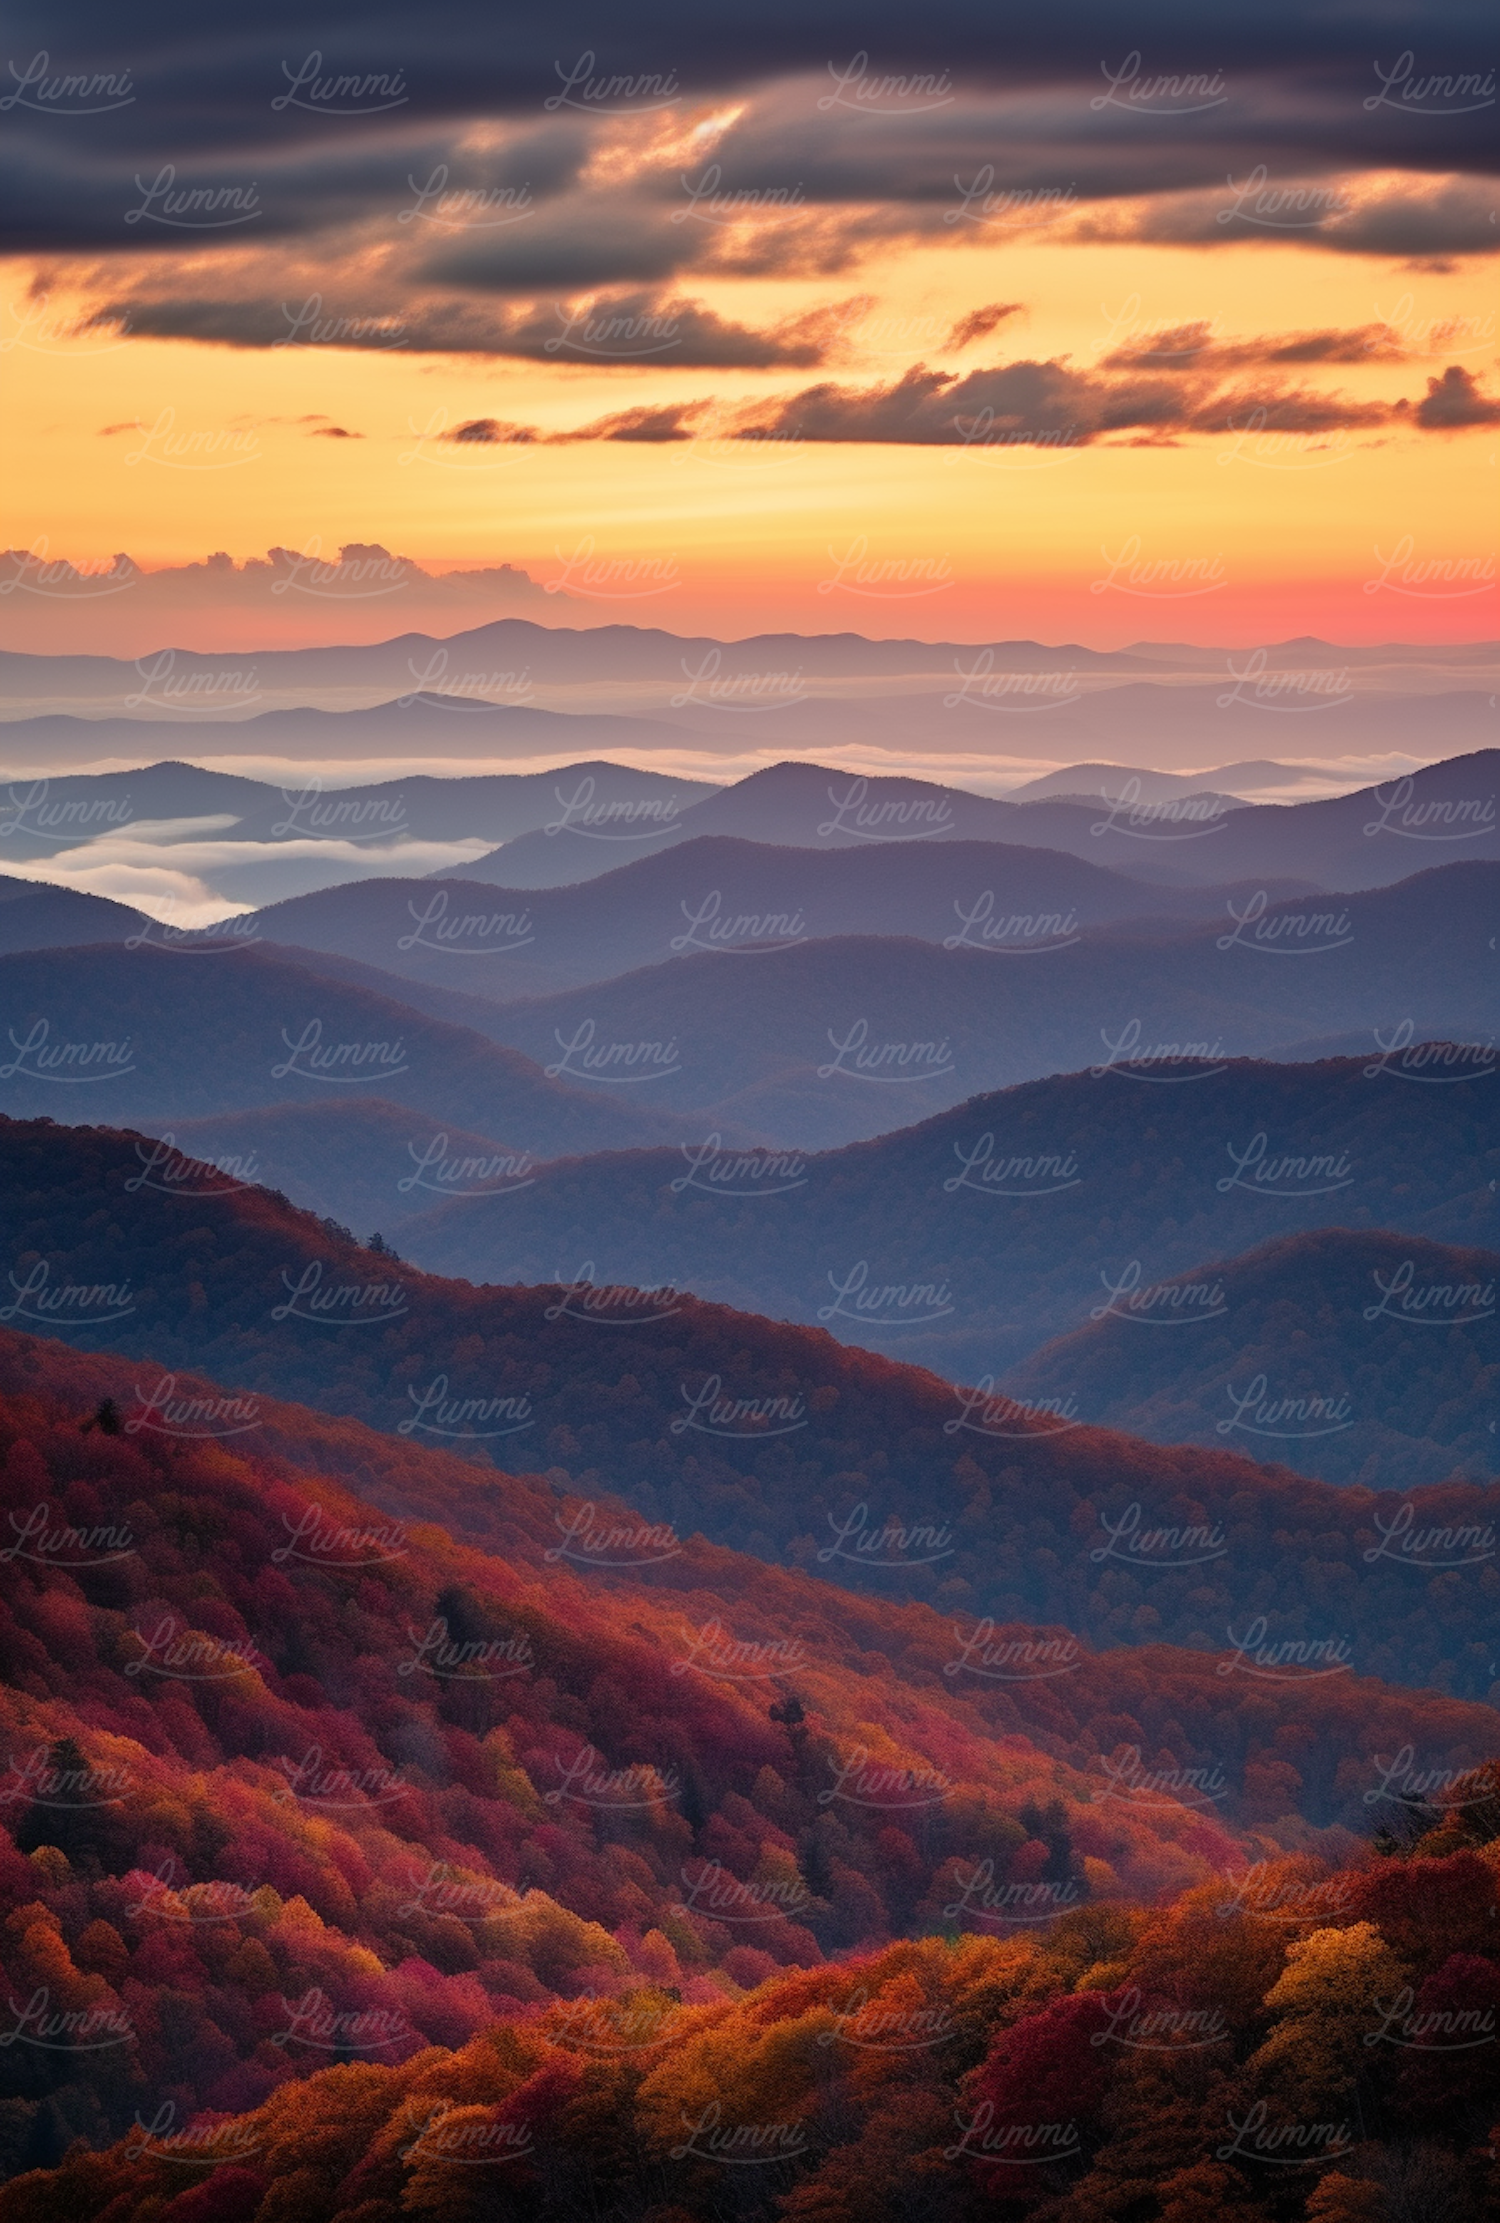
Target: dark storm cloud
(1023,405)
(642,326)
(326,110)
(1411,219)
(1454,402)
(1051,404)
(1013,138)
(1016,404)
(584,243)
(63,188)
(216,73)
(1192,349)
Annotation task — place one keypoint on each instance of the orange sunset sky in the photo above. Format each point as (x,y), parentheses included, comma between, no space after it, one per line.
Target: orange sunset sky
(1033,411)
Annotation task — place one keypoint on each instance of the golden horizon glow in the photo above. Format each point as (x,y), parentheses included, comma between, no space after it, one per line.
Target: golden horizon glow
(170,449)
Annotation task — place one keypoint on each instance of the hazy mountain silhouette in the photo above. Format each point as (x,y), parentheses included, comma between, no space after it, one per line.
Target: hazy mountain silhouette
(366,1163)
(168,1034)
(1029,1209)
(1365,839)
(35,915)
(770,1438)
(1362,1357)
(729,896)
(828,1041)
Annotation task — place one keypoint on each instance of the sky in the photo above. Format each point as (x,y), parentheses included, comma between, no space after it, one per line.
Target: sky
(1094,327)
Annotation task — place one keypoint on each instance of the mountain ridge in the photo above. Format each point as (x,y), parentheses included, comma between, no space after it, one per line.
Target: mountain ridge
(820,1447)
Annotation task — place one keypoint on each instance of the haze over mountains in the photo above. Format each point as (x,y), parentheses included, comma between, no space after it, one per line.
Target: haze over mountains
(500,805)
(1169,705)
(821,1039)
(1025,1208)
(894,1297)
(730,895)
(190,844)
(484,1136)
(172,1034)
(1355,1356)
(569,654)
(366,1163)
(809,806)
(1365,1357)
(969,1240)
(749,1466)
(985,1083)
(817,1043)
(219,840)
(774,1440)
(1364,839)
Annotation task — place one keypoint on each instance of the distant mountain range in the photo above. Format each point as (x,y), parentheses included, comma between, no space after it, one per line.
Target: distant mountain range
(1368,1358)
(975,1236)
(768,1438)
(1178,706)
(646,652)
(166,1034)
(36,915)
(1359,1357)
(249,843)
(762,1021)
(1365,839)
(726,895)
(1232,781)
(366,1164)
(39,817)
(412,724)
(822,1042)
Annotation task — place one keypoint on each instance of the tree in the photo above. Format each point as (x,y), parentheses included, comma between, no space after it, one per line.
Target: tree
(1327,2000)
(67,1813)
